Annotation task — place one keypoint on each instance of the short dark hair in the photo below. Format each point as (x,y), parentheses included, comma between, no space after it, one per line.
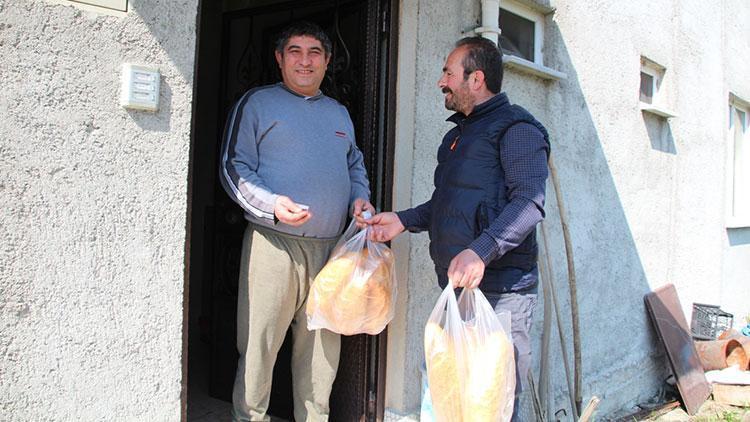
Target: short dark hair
(304,28)
(483,54)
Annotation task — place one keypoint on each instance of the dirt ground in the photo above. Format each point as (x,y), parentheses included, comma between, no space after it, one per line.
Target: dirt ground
(709,412)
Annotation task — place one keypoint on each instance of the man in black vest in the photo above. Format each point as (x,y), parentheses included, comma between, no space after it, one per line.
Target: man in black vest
(489,194)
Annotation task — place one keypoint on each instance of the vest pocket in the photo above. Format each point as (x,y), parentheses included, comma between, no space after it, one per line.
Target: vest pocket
(485,215)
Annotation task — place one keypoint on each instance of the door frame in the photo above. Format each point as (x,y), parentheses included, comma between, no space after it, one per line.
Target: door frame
(387,12)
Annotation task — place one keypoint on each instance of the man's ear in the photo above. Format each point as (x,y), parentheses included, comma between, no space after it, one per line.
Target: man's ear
(478,79)
(279,57)
(328,59)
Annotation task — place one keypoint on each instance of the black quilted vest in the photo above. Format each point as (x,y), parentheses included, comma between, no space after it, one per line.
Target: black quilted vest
(470,187)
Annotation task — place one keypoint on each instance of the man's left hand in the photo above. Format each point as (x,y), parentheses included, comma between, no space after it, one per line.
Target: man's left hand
(361,204)
(466,269)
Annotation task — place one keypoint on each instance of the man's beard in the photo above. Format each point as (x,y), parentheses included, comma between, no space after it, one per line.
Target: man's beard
(455,102)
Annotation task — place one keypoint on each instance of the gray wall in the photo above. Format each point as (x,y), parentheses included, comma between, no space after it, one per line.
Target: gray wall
(644,195)
(93,220)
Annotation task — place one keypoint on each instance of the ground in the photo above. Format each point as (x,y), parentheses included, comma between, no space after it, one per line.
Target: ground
(709,412)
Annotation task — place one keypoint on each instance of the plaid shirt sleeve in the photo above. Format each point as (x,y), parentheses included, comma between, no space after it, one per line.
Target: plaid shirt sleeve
(523,155)
(416,219)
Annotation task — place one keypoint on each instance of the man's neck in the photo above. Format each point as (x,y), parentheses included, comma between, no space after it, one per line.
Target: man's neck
(479,99)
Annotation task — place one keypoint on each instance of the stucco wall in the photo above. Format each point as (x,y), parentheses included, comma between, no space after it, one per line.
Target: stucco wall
(93,219)
(736,241)
(94,199)
(644,195)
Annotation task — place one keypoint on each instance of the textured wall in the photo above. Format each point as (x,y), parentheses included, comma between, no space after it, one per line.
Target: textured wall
(92,226)
(645,196)
(94,200)
(736,241)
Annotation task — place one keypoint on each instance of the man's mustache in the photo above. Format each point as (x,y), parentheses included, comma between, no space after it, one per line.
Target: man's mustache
(447,90)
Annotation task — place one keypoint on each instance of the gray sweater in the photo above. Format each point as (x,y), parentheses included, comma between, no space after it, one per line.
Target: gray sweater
(277,142)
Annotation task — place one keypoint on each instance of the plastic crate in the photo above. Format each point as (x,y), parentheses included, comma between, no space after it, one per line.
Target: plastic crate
(708,321)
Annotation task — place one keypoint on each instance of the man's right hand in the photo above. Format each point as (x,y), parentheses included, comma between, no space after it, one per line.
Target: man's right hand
(288,212)
(384,226)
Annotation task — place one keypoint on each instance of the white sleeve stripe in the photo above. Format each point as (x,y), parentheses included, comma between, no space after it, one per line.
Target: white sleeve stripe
(225,173)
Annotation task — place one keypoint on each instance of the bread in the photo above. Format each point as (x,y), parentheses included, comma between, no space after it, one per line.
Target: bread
(379,295)
(327,284)
(353,292)
(442,374)
(487,368)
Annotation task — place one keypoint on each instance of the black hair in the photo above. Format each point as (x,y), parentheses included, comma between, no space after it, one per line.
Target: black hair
(305,28)
(483,54)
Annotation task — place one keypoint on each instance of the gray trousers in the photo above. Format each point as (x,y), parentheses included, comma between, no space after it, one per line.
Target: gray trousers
(521,308)
(275,277)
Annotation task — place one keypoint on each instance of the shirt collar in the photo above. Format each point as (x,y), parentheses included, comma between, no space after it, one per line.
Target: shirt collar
(305,97)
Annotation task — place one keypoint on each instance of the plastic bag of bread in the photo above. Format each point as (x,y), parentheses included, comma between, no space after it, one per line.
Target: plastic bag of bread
(469,356)
(355,292)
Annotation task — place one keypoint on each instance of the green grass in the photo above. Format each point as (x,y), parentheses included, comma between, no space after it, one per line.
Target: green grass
(730,417)
(724,416)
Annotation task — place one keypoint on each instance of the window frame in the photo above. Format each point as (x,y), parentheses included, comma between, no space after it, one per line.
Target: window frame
(537,14)
(537,18)
(733,220)
(116,5)
(657,105)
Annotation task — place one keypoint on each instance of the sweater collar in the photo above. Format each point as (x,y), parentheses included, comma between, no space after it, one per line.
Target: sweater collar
(497,101)
(296,94)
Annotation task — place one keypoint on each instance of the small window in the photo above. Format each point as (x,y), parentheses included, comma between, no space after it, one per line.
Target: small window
(652,74)
(522,31)
(119,5)
(518,35)
(738,180)
(521,25)
(651,97)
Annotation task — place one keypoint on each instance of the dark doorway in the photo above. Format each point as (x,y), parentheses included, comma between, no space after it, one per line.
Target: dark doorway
(235,53)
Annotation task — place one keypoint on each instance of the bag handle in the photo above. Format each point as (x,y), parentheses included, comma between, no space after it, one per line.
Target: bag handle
(353,230)
(446,307)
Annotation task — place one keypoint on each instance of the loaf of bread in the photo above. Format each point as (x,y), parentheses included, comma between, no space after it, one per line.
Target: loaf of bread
(486,365)
(442,374)
(490,365)
(353,293)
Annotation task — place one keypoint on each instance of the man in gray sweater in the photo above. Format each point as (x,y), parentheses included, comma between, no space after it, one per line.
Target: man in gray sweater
(290,160)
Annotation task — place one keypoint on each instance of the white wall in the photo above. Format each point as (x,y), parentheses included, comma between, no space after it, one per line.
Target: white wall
(93,219)
(645,196)
(736,241)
